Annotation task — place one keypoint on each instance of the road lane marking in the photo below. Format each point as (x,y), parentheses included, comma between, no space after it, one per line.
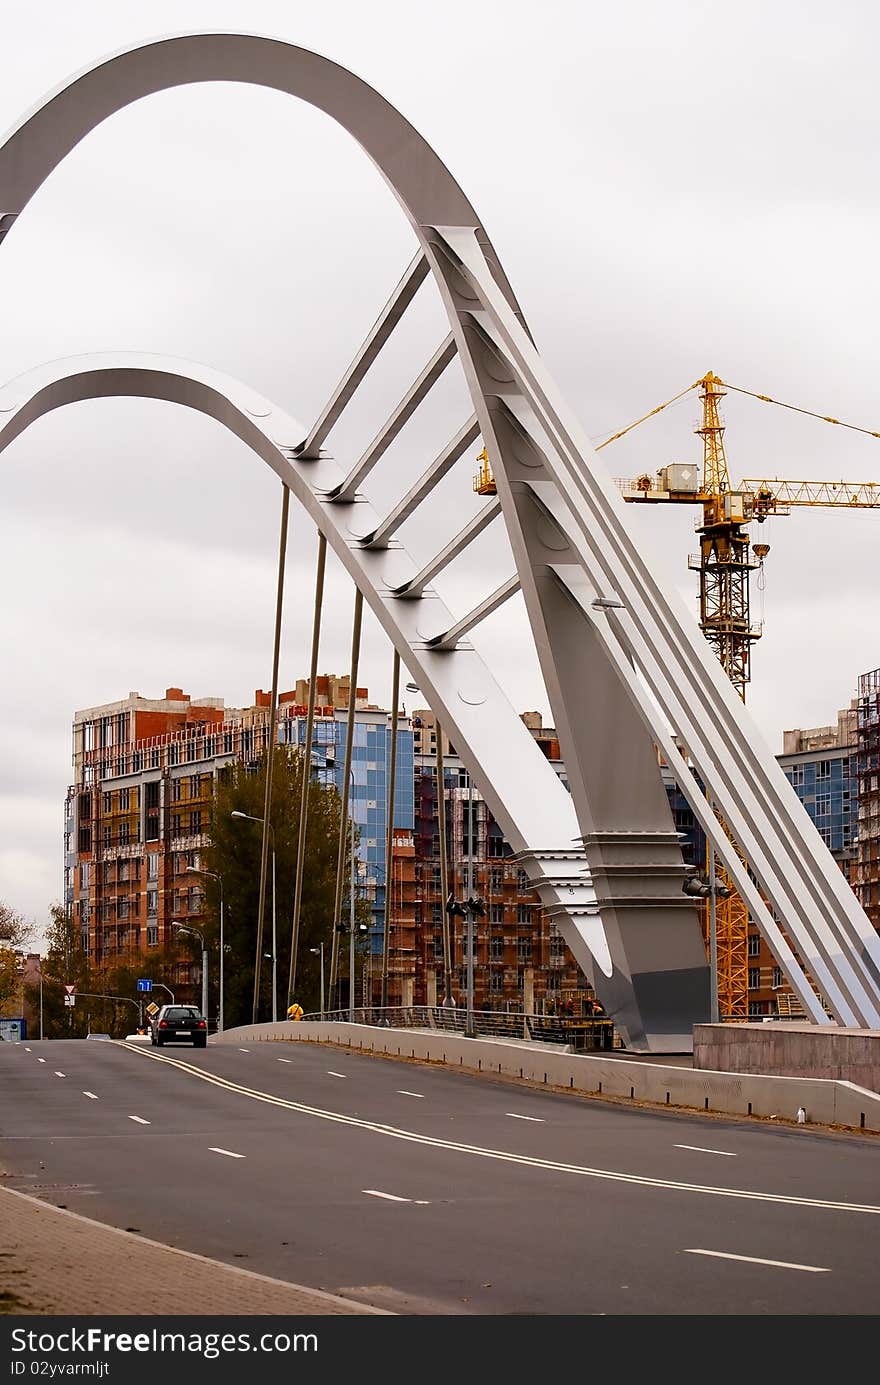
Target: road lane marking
(140,1120)
(754,1260)
(41,1060)
(698,1149)
(285,1060)
(401,1092)
(91,1095)
(61,1074)
(27,1050)
(336,1074)
(502,1156)
(230,1153)
(244,1050)
(515,1117)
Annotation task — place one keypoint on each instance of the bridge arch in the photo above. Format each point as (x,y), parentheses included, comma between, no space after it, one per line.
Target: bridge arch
(622,662)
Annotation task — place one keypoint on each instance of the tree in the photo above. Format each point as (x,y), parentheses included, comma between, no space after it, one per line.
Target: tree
(64,962)
(234,854)
(14,930)
(14,933)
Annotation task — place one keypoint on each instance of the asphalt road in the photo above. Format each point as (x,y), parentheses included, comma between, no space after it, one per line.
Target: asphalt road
(425,1190)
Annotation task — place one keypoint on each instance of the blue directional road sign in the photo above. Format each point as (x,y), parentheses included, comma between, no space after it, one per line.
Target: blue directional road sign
(144,984)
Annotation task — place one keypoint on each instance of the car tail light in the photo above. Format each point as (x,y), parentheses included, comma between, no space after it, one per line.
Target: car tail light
(163,1024)
(203,1024)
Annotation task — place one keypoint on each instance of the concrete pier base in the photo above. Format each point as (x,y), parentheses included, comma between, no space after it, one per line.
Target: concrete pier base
(791,1050)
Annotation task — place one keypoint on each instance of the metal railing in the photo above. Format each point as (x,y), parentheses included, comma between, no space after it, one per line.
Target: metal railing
(579,1032)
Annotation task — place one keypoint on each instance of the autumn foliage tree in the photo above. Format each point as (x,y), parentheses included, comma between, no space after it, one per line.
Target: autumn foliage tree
(14,933)
(234,855)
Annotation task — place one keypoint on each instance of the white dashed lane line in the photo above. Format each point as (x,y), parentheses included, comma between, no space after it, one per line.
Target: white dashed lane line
(698,1149)
(754,1260)
(401,1092)
(244,1050)
(27,1050)
(90,1095)
(285,1060)
(230,1153)
(392,1197)
(140,1120)
(335,1074)
(514,1117)
(61,1074)
(41,1060)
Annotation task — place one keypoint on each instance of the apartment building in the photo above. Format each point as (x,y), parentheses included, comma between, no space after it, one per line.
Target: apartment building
(138,811)
(521,961)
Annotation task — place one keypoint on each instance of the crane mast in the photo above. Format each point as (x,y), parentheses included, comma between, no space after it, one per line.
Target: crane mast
(724,561)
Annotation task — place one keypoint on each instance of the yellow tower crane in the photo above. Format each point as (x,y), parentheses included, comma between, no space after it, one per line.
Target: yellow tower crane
(725,562)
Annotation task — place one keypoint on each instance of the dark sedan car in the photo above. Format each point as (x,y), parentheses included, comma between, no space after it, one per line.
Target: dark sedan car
(179,1024)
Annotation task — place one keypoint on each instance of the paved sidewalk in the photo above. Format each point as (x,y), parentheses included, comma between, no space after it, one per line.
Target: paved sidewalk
(55,1262)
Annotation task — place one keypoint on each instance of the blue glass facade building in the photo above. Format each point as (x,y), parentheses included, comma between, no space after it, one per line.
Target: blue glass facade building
(826,782)
(368,790)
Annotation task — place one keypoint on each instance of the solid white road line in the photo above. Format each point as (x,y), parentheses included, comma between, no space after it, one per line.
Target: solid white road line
(401,1092)
(515,1117)
(140,1120)
(502,1155)
(61,1074)
(754,1260)
(335,1074)
(230,1153)
(91,1095)
(698,1149)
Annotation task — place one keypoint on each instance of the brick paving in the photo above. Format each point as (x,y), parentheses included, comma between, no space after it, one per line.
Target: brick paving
(56,1262)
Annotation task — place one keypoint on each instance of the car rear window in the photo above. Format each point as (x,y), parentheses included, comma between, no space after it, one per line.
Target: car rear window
(181,1012)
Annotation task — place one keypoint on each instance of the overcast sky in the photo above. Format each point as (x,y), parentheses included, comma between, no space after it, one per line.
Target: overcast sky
(671,188)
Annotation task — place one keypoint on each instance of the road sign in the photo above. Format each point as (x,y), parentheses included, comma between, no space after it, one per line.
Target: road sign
(152,1008)
(70,989)
(145,984)
(70,1001)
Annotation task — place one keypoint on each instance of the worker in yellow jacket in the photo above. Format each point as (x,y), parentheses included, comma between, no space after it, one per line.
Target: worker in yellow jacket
(294,1011)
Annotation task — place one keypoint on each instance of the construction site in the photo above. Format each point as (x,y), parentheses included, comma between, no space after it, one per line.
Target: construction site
(747,978)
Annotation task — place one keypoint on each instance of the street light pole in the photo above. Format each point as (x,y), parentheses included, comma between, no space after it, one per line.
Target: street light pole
(274,942)
(713,942)
(212,874)
(249,817)
(351,995)
(180,927)
(316,951)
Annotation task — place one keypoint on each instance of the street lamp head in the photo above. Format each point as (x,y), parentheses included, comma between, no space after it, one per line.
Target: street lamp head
(237,813)
(413,687)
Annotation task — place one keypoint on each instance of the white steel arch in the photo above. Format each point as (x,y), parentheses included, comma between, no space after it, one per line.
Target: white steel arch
(613,645)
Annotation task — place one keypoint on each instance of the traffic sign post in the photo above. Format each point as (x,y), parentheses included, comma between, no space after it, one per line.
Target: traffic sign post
(70,1001)
(152,1008)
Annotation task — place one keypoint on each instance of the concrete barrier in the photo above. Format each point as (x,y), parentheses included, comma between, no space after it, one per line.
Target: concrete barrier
(826,1102)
